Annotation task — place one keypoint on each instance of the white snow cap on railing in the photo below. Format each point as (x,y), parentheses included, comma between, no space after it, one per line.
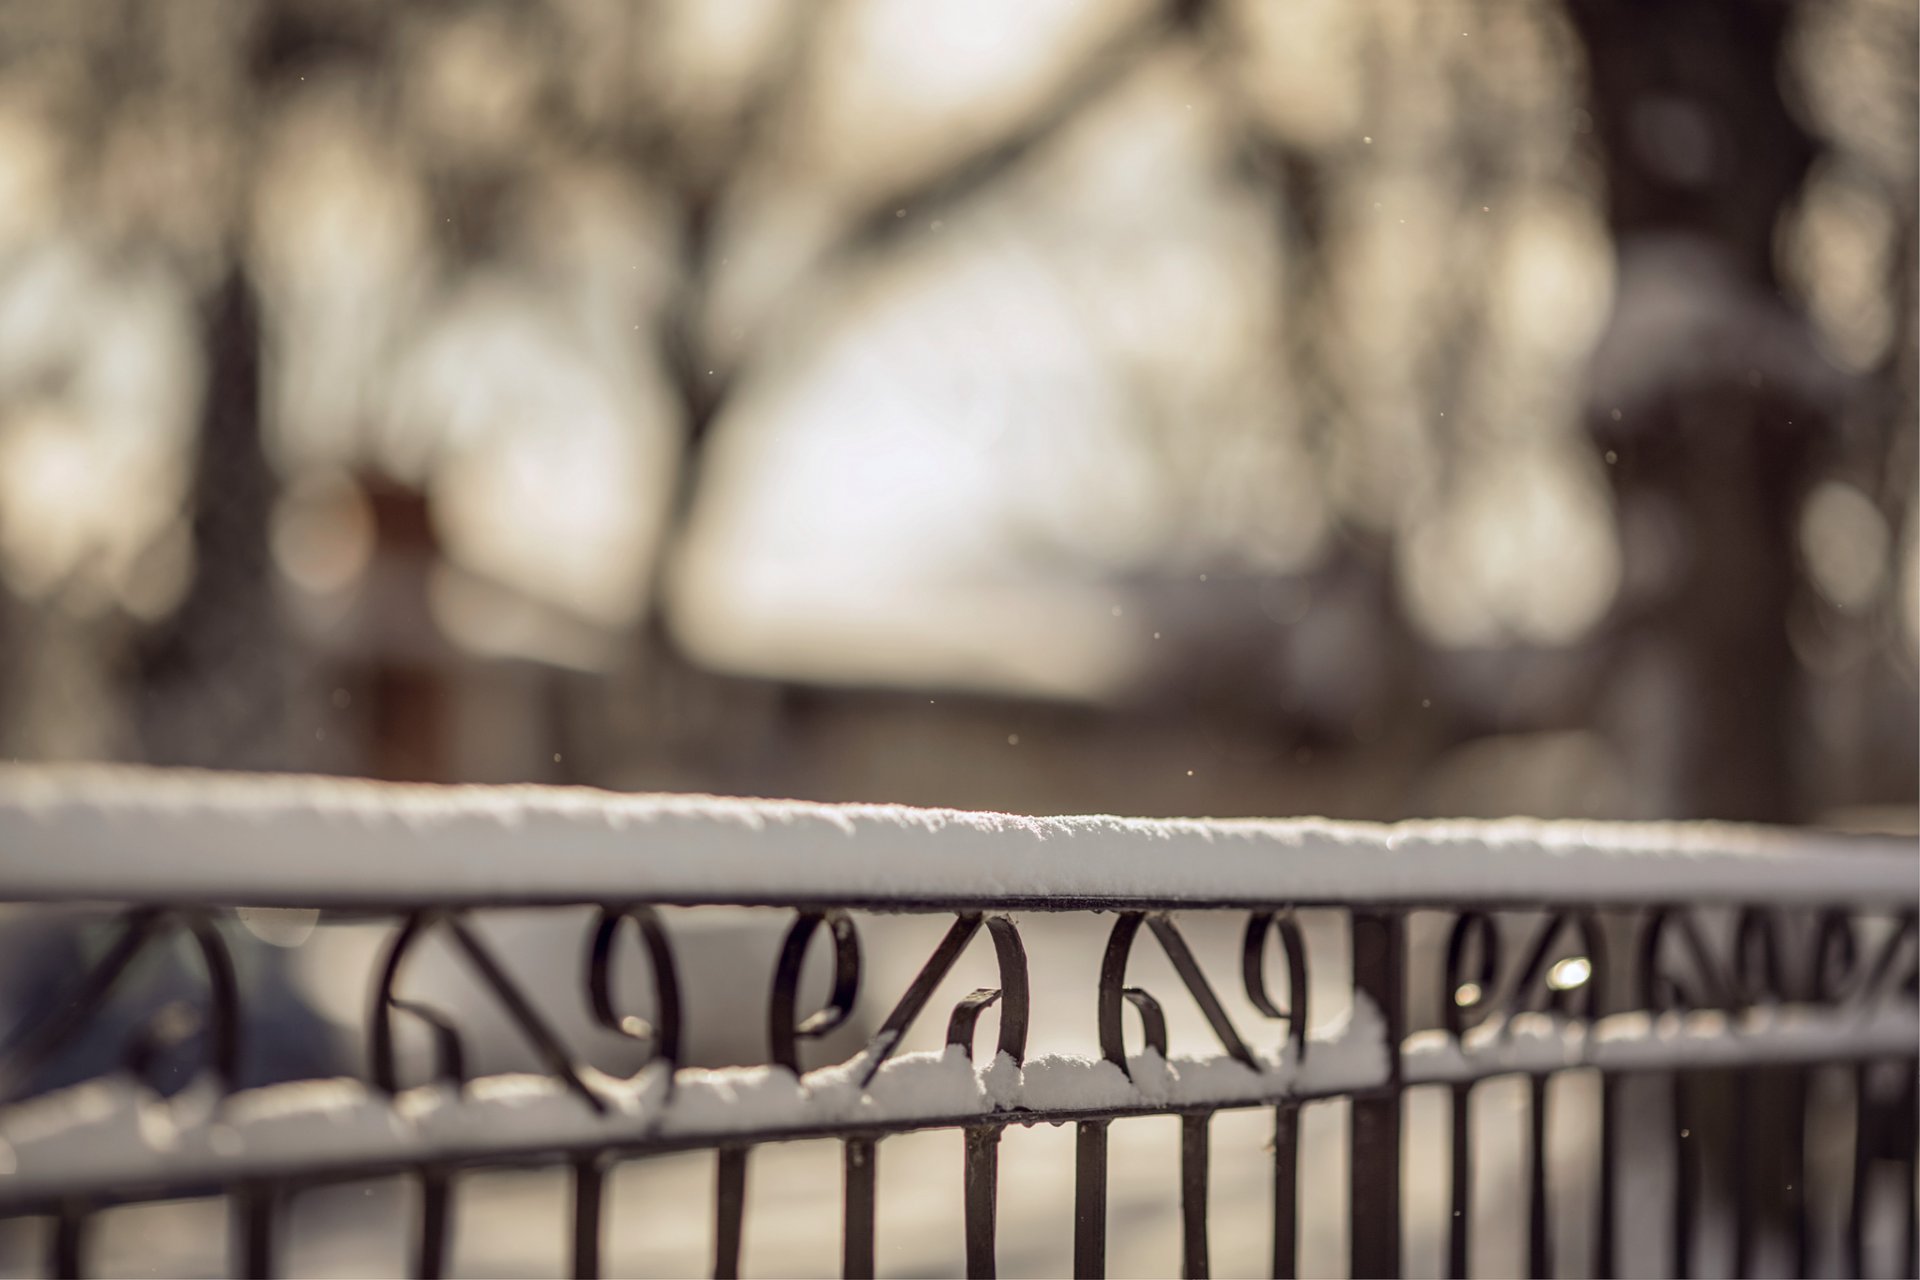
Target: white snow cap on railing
(135,835)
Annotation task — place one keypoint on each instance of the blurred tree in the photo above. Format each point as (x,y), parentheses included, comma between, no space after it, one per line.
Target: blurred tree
(1381,245)
(214,676)
(1708,396)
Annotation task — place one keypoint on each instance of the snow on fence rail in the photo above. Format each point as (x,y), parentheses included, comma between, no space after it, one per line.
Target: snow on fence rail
(185,836)
(1667,959)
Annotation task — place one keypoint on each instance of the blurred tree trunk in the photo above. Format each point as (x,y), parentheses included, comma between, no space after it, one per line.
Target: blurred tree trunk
(1707,396)
(1708,401)
(218,679)
(214,675)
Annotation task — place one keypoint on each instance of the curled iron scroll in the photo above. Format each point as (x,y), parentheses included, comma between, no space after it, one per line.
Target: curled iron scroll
(1587,986)
(1471,983)
(451,1068)
(1115,995)
(141,930)
(221,1021)
(449,1057)
(1253,973)
(1661,988)
(1467,989)
(1887,975)
(662,1035)
(1830,971)
(966,1015)
(785,1029)
(1012,995)
(1836,957)
(1758,975)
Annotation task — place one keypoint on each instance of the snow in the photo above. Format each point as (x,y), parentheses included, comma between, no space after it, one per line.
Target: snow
(114,1133)
(1533,1042)
(158,835)
(1685,315)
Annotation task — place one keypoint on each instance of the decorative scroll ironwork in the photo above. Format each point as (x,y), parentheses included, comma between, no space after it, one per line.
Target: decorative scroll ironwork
(1575,965)
(552,1051)
(662,1035)
(784,1032)
(1253,973)
(138,934)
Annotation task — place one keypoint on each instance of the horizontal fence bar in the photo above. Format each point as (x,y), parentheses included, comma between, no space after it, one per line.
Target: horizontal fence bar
(352,1132)
(1696,997)
(169,836)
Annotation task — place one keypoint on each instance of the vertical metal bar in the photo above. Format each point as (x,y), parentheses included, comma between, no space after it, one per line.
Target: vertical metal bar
(1741,1171)
(1910,1210)
(436,1211)
(1460,1222)
(1090,1201)
(1374,1197)
(1605,1264)
(730,1205)
(1193,1194)
(253,1208)
(856,1230)
(982,1178)
(1539,1245)
(1795,1167)
(69,1241)
(1685,1191)
(589,1192)
(1856,1255)
(1286,1189)
(1909,1147)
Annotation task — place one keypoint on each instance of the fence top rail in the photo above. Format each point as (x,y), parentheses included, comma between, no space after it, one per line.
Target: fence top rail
(176,836)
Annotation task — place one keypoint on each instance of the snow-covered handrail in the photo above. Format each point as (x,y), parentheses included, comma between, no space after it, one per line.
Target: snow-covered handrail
(1448,952)
(176,836)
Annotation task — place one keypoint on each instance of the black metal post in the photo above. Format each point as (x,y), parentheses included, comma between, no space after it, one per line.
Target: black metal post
(730,1206)
(1193,1194)
(1686,1191)
(1539,1241)
(254,1210)
(1605,1265)
(1090,1200)
(589,1190)
(69,1240)
(1459,1224)
(856,1247)
(436,1212)
(1374,1187)
(982,1175)
(1286,1189)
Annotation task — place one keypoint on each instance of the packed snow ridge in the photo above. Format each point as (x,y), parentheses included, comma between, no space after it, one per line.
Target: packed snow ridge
(115,1133)
(65,833)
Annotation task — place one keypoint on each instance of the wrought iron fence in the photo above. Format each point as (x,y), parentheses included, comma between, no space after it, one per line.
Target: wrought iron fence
(1721,971)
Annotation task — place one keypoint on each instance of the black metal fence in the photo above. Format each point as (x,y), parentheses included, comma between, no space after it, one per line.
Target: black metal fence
(1723,1009)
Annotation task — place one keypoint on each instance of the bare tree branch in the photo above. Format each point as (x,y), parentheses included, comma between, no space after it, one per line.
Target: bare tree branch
(705,379)
(878,226)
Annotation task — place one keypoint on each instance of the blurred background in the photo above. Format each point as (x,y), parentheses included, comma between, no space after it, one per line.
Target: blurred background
(1368,408)
(1194,407)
